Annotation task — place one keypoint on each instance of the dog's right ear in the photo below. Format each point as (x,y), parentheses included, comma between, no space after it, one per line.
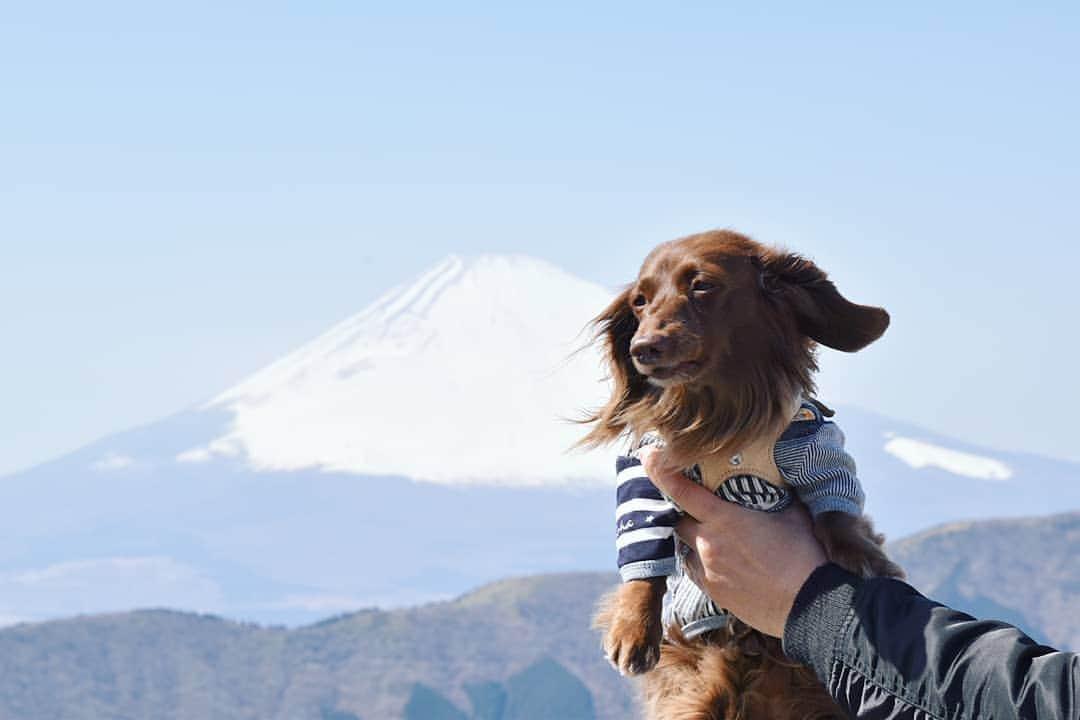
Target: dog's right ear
(614,328)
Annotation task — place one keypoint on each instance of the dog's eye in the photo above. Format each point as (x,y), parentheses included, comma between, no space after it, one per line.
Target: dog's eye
(702,286)
(640,301)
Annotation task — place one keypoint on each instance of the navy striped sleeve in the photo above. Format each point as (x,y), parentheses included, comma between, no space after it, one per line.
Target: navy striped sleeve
(644,524)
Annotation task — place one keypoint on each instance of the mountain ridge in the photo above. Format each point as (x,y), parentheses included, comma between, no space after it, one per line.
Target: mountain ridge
(378,663)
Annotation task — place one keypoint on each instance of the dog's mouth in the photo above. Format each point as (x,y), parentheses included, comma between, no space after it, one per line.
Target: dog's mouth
(672,374)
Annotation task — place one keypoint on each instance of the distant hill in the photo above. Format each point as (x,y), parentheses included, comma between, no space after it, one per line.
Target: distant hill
(1025,572)
(513,650)
(518,649)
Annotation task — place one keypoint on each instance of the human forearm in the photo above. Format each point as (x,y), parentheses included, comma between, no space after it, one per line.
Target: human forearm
(885,651)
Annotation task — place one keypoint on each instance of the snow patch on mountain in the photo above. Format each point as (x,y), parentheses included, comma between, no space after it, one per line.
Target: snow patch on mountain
(919,454)
(470,374)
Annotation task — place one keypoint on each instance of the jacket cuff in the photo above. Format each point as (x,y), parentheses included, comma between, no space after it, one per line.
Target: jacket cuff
(643,569)
(817,617)
(832,503)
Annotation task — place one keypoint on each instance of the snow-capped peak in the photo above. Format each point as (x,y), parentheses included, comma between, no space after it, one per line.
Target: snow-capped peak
(468,374)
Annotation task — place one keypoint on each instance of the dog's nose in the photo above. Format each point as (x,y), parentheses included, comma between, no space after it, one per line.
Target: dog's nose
(649,349)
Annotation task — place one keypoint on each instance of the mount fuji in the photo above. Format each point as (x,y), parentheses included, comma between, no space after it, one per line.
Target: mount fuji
(412,452)
(471,375)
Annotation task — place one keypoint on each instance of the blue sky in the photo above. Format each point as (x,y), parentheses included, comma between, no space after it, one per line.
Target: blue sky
(190,190)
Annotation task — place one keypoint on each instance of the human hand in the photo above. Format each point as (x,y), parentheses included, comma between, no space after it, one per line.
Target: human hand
(753,563)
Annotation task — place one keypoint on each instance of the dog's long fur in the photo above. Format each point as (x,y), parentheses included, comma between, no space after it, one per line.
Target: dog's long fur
(753,328)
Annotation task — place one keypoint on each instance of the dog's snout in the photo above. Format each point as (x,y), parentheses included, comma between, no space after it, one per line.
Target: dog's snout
(650,349)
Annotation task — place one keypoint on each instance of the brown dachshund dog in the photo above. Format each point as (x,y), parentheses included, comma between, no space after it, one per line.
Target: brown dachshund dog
(710,349)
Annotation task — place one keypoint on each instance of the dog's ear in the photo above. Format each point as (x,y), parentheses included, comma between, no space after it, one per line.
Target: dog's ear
(823,314)
(614,328)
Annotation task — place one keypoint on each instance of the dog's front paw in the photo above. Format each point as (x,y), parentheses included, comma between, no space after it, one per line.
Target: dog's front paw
(630,618)
(633,646)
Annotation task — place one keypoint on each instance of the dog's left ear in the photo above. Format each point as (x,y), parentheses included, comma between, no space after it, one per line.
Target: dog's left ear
(822,312)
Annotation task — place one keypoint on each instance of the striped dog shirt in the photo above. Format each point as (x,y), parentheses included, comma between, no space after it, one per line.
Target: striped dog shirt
(811,459)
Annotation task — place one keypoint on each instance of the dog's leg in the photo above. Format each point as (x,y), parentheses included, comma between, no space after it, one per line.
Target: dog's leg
(630,617)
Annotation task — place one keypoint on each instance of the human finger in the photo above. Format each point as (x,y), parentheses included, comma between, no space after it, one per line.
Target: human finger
(687,529)
(655,460)
(686,493)
(688,532)
(692,566)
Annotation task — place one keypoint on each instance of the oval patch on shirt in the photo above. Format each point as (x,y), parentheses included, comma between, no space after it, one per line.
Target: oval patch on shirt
(754,493)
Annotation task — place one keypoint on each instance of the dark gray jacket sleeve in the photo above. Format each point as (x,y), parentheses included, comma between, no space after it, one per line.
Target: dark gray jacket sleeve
(885,651)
